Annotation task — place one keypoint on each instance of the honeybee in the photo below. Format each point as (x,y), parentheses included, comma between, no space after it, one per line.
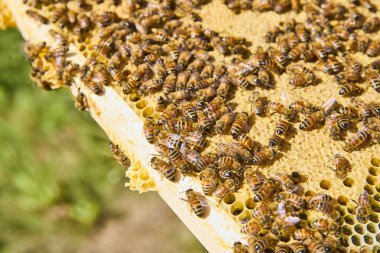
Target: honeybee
(258,104)
(240,124)
(119,155)
(348,112)
(263,213)
(162,149)
(169,113)
(349,89)
(209,180)
(293,199)
(283,224)
(189,155)
(297,247)
(311,120)
(224,188)
(248,142)
(354,142)
(223,88)
(335,124)
(266,78)
(195,139)
(277,107)
(316,247)
(282,248)
(254,179)
(224,121)
(302,234)
(275,140)
(282,127)
(375,108)
(196,202)
(175,158)
(373,49)
(371,25)
(328,226)
(264,243)
(271,35)
(189,112)
(374,80)
(285,181)
(81,102)
(330,243)
(364,207)
(267,190)
(240,248)
(38,17)
(295,52)
(251,227)
(164,168)
(342,166)
(204,160)
(263,156)
(149,129)
(319,198)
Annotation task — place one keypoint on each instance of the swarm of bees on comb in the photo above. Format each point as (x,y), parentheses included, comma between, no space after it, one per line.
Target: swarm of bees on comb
(196,78)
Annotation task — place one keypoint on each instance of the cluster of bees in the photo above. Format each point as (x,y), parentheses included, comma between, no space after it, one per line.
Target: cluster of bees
(160,50)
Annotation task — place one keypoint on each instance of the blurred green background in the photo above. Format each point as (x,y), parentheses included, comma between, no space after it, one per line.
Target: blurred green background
(60,191)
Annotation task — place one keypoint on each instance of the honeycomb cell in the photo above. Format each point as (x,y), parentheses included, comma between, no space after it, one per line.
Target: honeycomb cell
(82,48)
(377,187)
(369,189)
(375,207)
(376,249)
(359,229)
(371,180)
(371,228)
(141,104)
(244,216)
(237,208)
(368,239)
(229,198)
(346,230)
(365,249)
(343,241)
(355,240)
(134,97)
(285,238)
(148,112)
(377,237)
(375,161)
(250,204)
(373,218)
(325,184)
(144,175)
(348,219)
(349,182)
(342,200)
(341,211)
(309,194)
(374,171)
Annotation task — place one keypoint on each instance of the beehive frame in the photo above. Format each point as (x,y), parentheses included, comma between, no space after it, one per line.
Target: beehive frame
(218,232)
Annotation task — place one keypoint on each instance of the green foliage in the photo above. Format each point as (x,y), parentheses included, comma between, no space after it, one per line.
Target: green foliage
(56,176)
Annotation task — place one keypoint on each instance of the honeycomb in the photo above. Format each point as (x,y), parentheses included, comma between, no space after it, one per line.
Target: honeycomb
(6,19)
(316,144)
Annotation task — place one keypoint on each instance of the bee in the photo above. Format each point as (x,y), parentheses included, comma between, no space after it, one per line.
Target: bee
(209,180)
(265,78)
(267,190)
(302,80)
(254,179)
(175,158)
(207,71)
(373,49)
(342,166)
(371,25)
(307,55)
(169,85)
(349,89)
(258,104)
(162,149)
(335,123)
(240,124)
(224,188)
(240,248)
(95,87)
(285,181)
(161,104)
(316,247)
(275,140)
(302,234)
(223,88)
(149,129)
(277,107)
(38,17)
(251,227)
(330,243)
(311,120)
(184,59)
(129,86)
(375,108)
(283,224)
(264,243)
(248,142)
(297,247)
(189,112)
(282,248)
(318,199)
(207,94)
(295,52)
(364,109)
(271,35)
(263,213)
(119,155)
(355,141)
(293,199)
(81,102)
(170,112)
(196,202)
(219,71)
(364,206)
(224,121)
(282,127)
(326,225)
(374,80)
(325,207)
(195,139)
(164,168)
(283,45)
(348,112)
(263,156)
